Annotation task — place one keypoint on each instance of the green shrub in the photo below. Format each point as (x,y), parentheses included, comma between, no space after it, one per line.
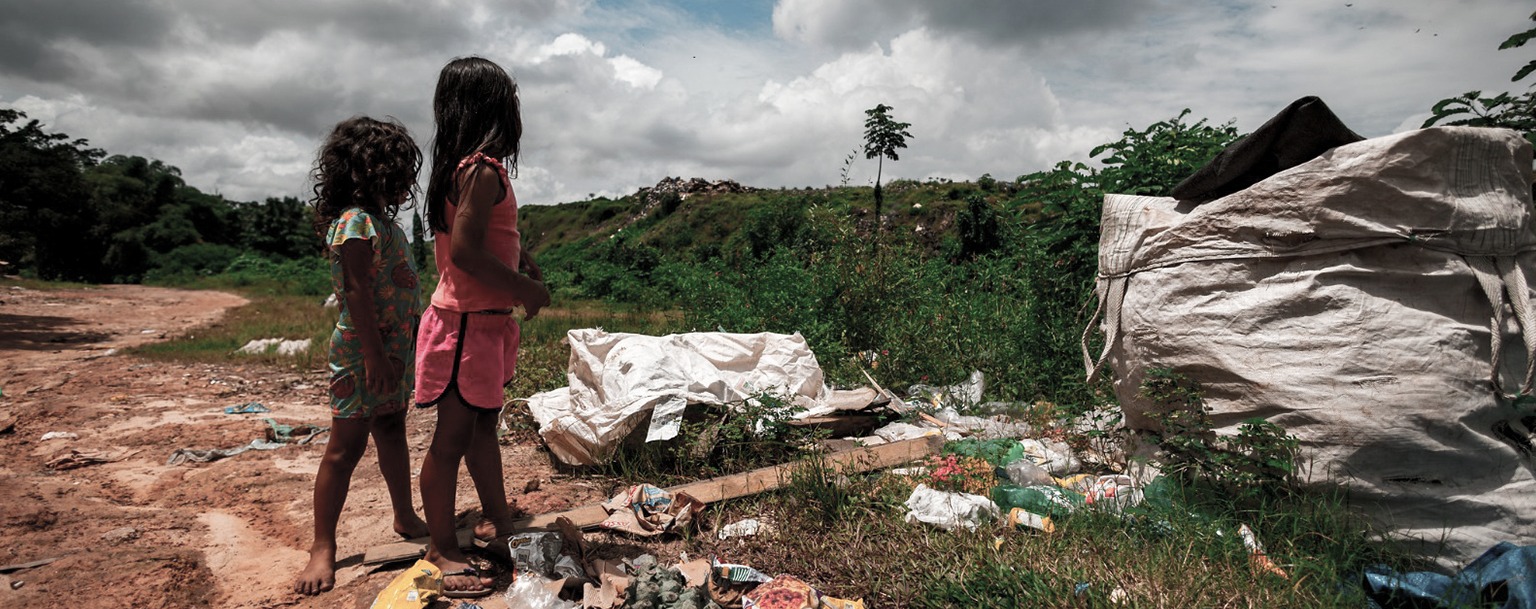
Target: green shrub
(1260,459)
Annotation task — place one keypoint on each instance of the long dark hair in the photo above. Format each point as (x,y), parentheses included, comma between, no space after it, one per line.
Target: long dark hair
(365,163)
(476,110)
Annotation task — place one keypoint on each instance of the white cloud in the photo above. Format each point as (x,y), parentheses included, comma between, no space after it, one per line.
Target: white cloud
(618,95)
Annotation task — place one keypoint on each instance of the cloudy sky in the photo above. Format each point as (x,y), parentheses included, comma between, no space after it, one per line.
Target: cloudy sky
(620,93)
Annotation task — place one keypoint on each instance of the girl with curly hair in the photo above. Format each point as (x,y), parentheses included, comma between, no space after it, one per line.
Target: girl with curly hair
(365,171)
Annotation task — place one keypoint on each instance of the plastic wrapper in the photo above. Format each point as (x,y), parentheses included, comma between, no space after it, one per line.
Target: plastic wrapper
(413,588)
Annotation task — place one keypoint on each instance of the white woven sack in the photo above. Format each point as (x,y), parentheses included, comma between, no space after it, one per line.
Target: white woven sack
(1353,300)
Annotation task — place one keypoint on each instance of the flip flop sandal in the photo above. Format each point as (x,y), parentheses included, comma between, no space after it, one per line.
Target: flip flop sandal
(470,571)
(496,547)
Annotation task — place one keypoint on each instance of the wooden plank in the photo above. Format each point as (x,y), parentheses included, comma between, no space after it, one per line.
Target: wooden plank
(724,488)
(858,460)
(410,549)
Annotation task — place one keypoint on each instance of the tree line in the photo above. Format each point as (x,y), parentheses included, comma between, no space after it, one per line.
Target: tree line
(71,212)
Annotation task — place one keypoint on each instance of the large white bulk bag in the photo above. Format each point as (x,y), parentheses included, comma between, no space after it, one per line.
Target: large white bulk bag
(1366,301)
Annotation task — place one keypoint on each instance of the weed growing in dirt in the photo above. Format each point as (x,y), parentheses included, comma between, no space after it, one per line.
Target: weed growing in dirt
(1261,458)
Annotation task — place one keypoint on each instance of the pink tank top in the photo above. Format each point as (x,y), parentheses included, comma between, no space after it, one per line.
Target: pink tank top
(456,290)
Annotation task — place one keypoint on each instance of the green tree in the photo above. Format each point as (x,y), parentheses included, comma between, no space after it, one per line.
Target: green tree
(45,212)
(418,242)
(281,227)
(883,136)
(1503,110)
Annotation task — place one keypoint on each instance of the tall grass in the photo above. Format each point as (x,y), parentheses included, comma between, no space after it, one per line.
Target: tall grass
(1178,551)
(267,315)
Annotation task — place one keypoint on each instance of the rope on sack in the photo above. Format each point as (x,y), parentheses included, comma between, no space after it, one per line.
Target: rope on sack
(1504,283)
(1109,306)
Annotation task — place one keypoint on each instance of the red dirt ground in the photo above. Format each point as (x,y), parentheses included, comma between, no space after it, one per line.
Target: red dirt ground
(140,533)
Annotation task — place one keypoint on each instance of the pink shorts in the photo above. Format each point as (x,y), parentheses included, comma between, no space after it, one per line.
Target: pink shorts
(471,354)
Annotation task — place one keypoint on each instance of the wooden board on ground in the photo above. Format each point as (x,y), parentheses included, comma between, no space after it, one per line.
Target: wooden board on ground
(724,488)
(411,549)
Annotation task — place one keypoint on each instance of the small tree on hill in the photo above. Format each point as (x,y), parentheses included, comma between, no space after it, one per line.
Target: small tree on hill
(418,242)
(883,136)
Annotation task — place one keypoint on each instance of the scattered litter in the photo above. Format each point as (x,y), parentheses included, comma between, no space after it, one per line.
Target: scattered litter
(585,423)
(949,510)
(259,346)
(743,528)
(1113,492)
(74,458)
(828,602)
(1055,457)
(531,592)
(1018,517)
(967,393)
(247,408)
(23,566)
(736,574)
(535,552)
(1505,570)
(657,586)
(904,431)
(331,302)
(695,572)
(648,511)
(611,589)
(60,435)
(184,455)
(413,588)
(782,592)
(1256,556)
(283,346)
(148,331)
(17,584)
(1024,472)
(293,434)
(1045,500)
(293,347)
(107,353)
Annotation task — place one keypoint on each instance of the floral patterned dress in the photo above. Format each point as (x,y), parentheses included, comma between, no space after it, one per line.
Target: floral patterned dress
(397,297)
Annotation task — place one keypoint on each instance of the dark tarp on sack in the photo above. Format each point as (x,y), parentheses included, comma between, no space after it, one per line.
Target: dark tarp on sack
(1299,133)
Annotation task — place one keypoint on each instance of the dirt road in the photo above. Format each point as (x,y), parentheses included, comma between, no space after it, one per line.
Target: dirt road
(137,532)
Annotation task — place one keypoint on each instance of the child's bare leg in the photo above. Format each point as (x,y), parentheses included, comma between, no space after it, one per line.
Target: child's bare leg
(484,463)
(395,465)
(349,438)
(439,482)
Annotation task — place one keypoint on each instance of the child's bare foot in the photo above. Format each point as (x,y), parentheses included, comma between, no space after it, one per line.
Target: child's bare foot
(457,584)
(320,574)
(491,529)
(411,527)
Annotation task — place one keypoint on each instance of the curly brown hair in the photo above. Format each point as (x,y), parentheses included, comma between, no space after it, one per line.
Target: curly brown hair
(367,163)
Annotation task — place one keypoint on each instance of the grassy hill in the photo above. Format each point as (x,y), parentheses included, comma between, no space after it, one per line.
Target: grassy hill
(693,219)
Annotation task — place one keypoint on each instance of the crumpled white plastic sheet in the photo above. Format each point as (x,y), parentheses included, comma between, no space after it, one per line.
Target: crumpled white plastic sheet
(949,510)
(619,380)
